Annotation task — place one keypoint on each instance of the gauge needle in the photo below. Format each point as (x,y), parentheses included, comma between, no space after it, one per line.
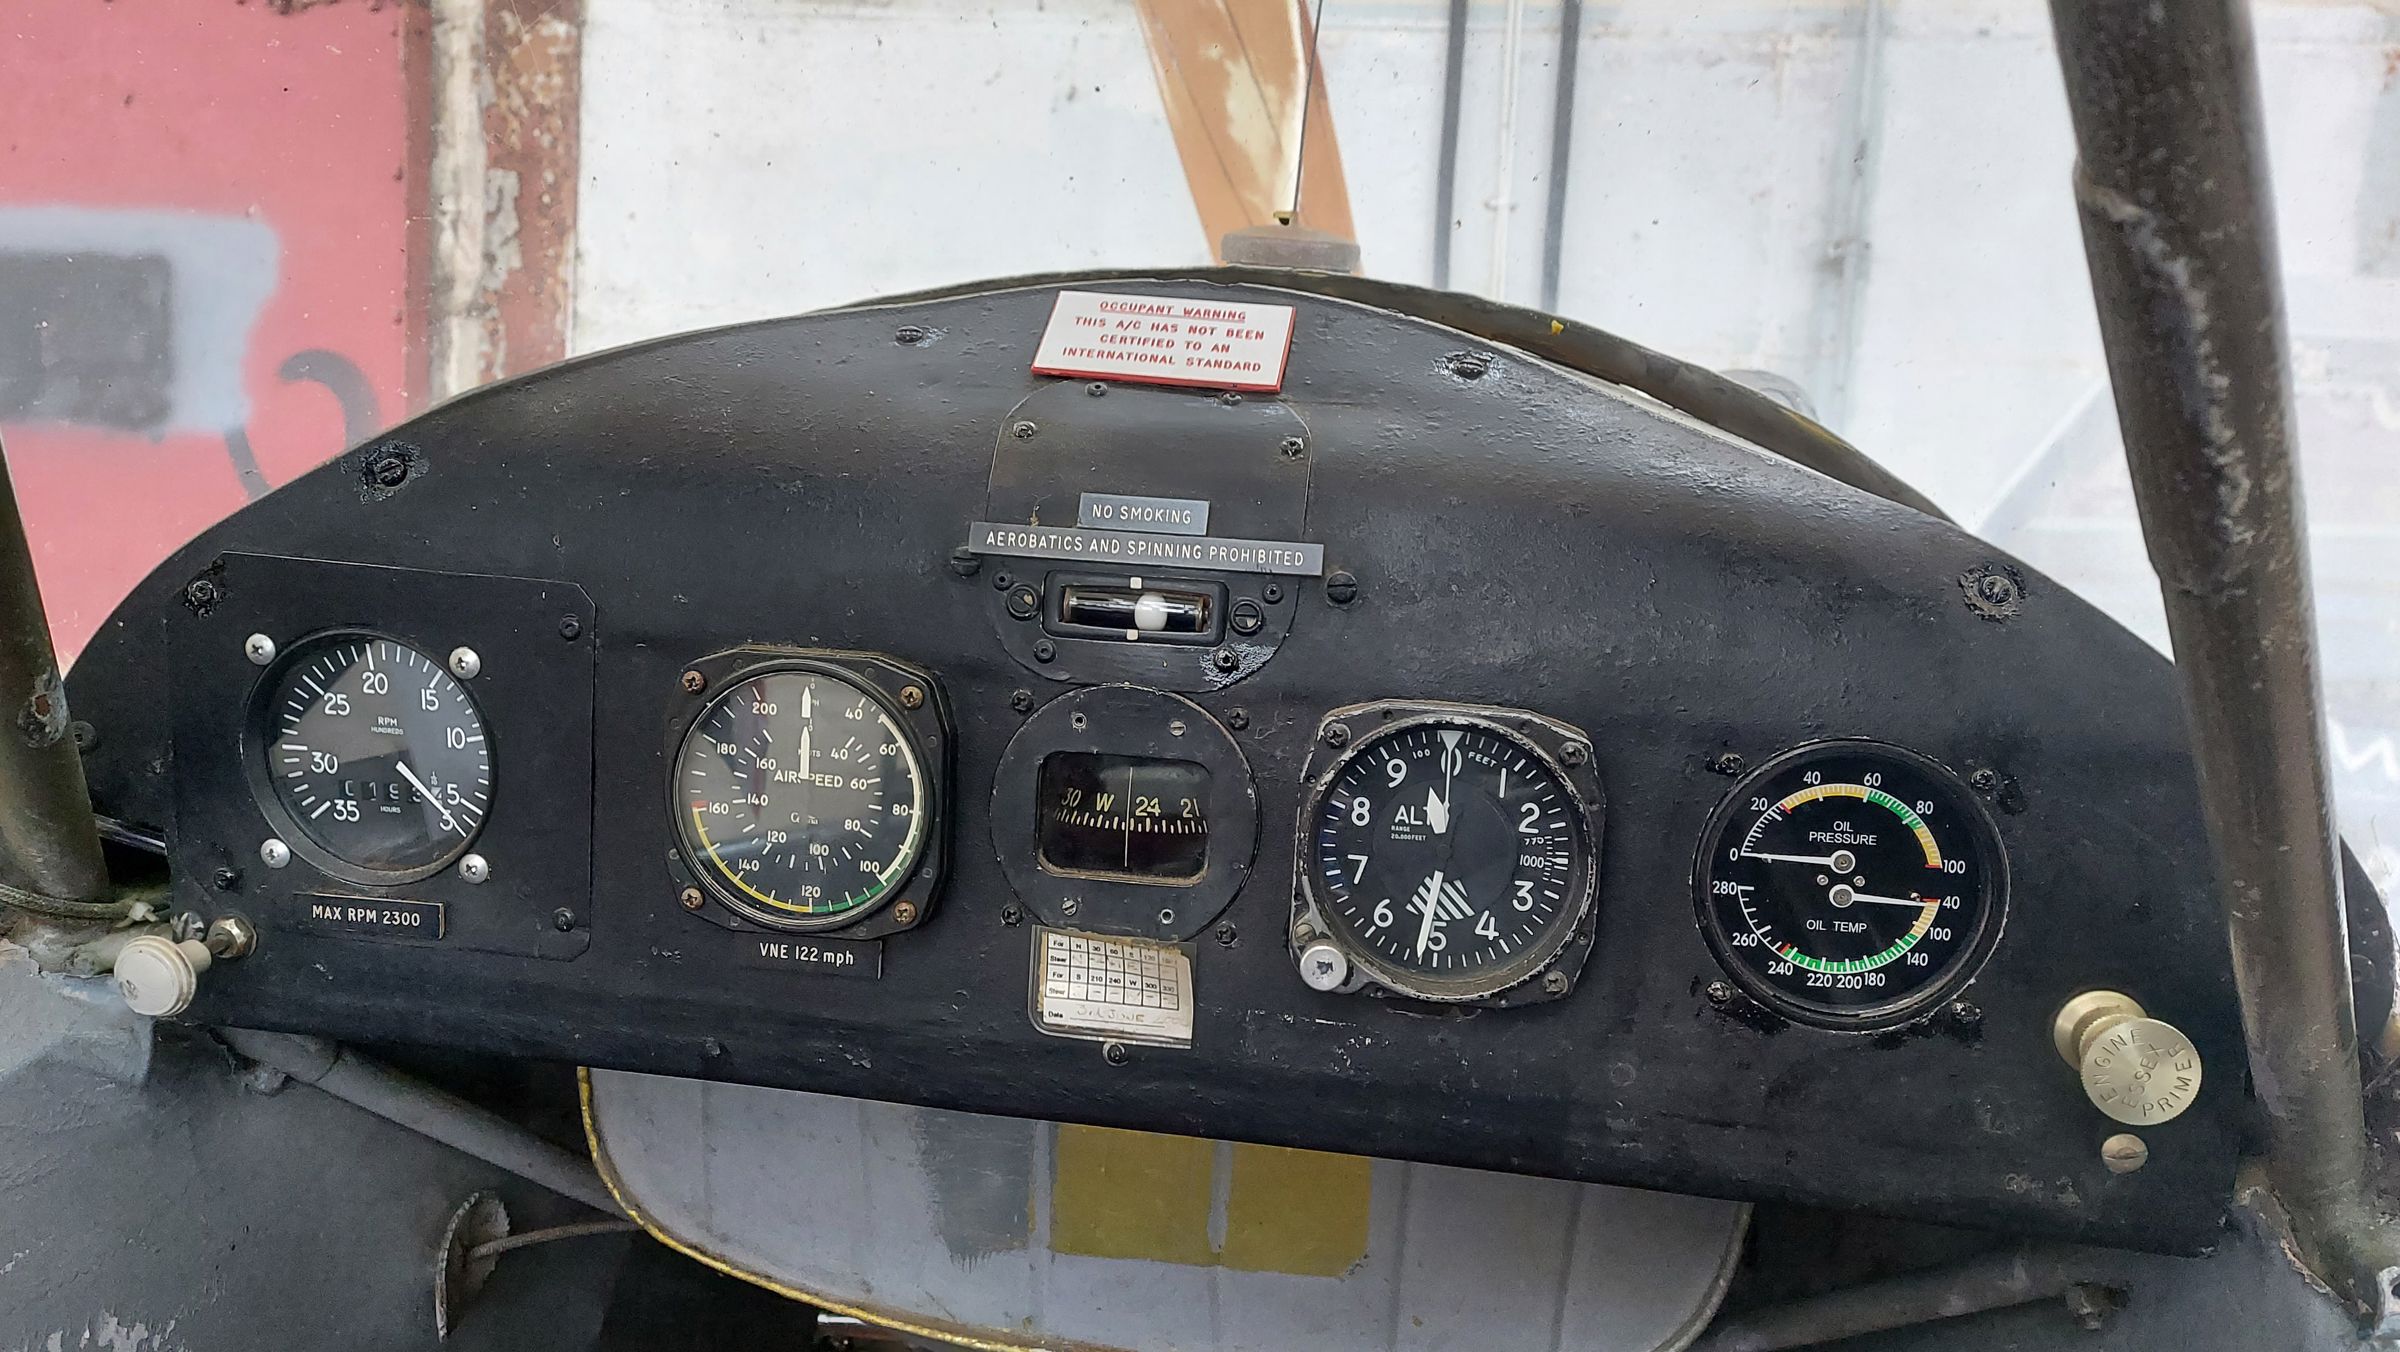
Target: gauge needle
(1428,900)
(448,822)
(804,751)
(1918,903)
(1437,813)
(1821,860)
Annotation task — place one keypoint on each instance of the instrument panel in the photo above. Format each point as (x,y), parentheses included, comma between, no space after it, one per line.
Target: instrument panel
(1449,760)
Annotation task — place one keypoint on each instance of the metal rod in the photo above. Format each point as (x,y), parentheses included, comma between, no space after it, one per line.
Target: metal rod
(1562,143)
(1993,1281)
(1445,174)
(2179,228)
(49,844)
(377,1088)
(556,1232)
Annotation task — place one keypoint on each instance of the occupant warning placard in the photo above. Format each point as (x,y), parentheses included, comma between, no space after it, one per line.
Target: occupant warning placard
(1166,340)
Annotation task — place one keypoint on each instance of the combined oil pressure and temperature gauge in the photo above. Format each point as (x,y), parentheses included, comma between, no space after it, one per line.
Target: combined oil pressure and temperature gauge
(1449,855)
(1851,884)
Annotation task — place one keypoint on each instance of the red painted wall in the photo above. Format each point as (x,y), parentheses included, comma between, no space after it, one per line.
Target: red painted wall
(192,110)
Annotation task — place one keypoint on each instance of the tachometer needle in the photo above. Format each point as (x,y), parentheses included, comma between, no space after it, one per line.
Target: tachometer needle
(449,822)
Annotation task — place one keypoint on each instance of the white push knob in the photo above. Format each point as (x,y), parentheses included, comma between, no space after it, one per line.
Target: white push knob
(158,977)
(1324,967)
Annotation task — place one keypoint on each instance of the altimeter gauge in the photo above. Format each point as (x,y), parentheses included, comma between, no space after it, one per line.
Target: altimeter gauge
(1450,852)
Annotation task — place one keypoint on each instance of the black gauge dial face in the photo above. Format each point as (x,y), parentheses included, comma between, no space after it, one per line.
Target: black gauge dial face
(1851,883)
(1452,856)
(374,753)
(801,799)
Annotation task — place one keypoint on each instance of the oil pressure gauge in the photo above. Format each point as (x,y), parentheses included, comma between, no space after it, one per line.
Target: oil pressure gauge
(1449,854)
(1851,884)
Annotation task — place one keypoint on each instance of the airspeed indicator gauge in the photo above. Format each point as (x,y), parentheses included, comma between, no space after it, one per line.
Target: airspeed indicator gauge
(1450,853)
(1851,884)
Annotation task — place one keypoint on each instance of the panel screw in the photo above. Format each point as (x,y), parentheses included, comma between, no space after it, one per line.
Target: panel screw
(2124,1152)
(258,648)
(388,471)
(1070,906)
(465,663)
(1238,719)
(1294,448)
(1044,650)
(86,736)
(1273,592)
(226,879)
(912,697)
(1166,917)
(202,594)
(274,853)
(1226,934)
(1012,915)
(904,912)
(1248,616)
(476,869)
(690,898)
(1468,365)
(1002,582)
(1023,431)
(1115,1054)
(562,920)
(1338,736)
(1096,389)
(908,335)
(1719,993)
(1726,763)
(1964,1014)
(1021,701)
(1984,780)
(965,562)
(1230,398)
(570,627)
(1575,753)
(1341,587)
(1024,603)
(1227,659)
(1554,983)
(694,683)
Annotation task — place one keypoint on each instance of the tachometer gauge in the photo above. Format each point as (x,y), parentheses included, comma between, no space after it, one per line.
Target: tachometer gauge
(373,756)
(1851,884)
(801,798)
(1450,852)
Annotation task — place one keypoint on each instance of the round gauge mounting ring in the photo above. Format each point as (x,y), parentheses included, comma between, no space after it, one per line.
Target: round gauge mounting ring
(369,759)
(1451,851)
(806,789)
(1851,884)
(1119,809)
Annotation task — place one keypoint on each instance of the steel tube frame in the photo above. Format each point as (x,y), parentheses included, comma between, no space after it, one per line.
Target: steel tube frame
(2178,224)
(50,861)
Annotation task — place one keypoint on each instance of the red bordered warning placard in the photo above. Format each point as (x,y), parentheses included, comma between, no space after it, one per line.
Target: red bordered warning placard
(1166,340)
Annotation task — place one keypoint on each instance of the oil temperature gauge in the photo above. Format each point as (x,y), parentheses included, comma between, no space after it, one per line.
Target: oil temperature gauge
(1851,884)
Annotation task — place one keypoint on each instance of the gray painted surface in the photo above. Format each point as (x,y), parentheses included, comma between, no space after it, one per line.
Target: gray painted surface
(922,1211)
(150,1202)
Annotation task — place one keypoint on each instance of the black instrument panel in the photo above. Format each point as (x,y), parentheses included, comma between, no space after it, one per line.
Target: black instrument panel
(784,511)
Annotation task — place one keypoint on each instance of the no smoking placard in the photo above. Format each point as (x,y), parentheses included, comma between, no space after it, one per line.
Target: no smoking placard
(1166,340)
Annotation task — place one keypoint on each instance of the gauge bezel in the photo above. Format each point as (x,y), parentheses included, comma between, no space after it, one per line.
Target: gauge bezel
(925,742)
(1562,749)
(1992,914)
(259,733)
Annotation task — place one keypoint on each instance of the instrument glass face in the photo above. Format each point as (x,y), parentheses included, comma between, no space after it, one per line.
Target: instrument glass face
(801,799)
(1138,818)
(1451,855)
(374,753)
(1850,883)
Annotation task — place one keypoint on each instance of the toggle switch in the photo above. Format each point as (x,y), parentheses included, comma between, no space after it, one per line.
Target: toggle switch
(2139,1070)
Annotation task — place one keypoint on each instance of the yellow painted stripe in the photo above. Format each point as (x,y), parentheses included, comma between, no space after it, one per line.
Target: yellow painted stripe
(1265,1232)
(1132,1194)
